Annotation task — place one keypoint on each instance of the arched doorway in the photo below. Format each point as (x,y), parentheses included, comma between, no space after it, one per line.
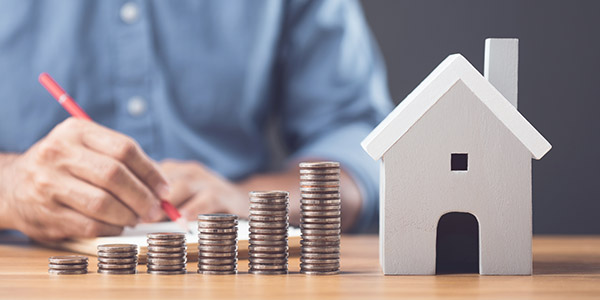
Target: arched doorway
(457,244)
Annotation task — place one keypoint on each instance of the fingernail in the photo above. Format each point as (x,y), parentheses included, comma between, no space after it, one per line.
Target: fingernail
(155,213)
(162,190)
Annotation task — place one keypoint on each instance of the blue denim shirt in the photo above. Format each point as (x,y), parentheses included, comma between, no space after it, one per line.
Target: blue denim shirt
(201,80)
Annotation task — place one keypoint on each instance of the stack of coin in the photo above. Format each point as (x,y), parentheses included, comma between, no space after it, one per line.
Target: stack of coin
(320,224)
(166,253)
(117,258)
(217,244)
(68,264)
(268,249)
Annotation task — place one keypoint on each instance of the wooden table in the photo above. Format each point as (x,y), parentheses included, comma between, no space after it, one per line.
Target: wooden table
(564,268)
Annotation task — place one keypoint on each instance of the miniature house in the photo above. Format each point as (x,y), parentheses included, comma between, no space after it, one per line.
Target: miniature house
(456,144)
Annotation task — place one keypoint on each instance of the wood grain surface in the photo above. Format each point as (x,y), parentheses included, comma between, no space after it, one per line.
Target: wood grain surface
(564,268)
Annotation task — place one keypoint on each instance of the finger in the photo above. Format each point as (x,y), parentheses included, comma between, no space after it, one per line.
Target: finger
(127,151)
(94,202)
(114,177)
(199,204)
(181,191)
(76,225)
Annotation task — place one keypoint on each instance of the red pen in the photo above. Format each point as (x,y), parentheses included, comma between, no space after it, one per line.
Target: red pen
(76,111)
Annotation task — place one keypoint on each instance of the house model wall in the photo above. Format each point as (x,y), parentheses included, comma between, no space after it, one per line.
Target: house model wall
(457,114)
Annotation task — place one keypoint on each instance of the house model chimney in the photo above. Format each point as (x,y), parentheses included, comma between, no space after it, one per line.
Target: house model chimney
(501,66)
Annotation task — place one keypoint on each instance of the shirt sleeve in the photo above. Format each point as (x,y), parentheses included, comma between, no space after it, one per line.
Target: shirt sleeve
(334,92)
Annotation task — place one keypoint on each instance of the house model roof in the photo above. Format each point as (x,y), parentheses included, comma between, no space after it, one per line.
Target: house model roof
(422,98)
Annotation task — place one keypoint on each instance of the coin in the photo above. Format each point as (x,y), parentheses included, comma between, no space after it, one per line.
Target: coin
(116,254)
(319,165)
(320,249)
(171,272)
(321,220)
(267,248)
(207,236)
(320,183)
(330,238)
(319,243)
(116,266)
(165,255)
(268,272)
(166,267)
(166,235)
(167,261)
(217,261)
(307,255)
(256,224)
(118,272)
(217,217)
(227,254)
(326,213)
(204,248)
(321,232)
(68,259)
(260,206)
(117,248)
(166,249)
(207,224)
(217,230)
(272,237)
(307,272)
(280,201)
(269,261)
(268,194)
(268,242)
(283,218)
(207,272)
(321,267)
(267,255)
(205,267)
(109,260)
(269,267)
(217,242)
(67,272)
(169,242)
(68,266)
(320,261)
(256,212)
(323,196)
(320,226)
(268,230)
(320,207)
(307,202)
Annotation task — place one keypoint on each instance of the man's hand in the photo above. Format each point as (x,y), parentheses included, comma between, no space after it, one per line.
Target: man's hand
(196,189)
(81,180)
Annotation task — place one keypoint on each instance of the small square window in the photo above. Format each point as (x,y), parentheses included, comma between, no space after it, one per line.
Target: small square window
(459,161)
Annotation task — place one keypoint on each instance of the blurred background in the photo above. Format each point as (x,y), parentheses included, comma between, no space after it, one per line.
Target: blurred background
(559,88)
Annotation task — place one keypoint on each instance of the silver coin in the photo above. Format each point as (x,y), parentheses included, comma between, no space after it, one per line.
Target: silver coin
(283,218)
(216,267)
(117,254)
(217,261)
(304,207)
(268,272)
(270,202)
(166,249)
(260,206)
(277,225)
(166,261)
(268,194)
(68,266)
(207,254)
(217,242)
(322,196)
(166,255)
(207,224)
(174,272)
(319,171)
(280,255)
(321,232)
(319,220)
(67,272)
(320,255)
(319,243)
(268,243)
(166,235)
(268,261)
(217,217)
(203,248)
(276,231)
(320,260)
(304,190)
(269,267)
(217,230)
(67,259)
(307,272)
(323,267)
(319,164)
(116,266)
(319,177)
(108,260)
(256,248)
(117,272)
(329,238)
(117,248)
(320,249)
(175,243)
(320,226)
(209,236)
(207,272)
(165,267)
(271,237)
(320,183)
(256,212)
(326,213)
(336,201)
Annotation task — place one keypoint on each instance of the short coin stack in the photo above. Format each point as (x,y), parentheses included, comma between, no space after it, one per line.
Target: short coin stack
(68,264)
(268,250)
(217,244)
(320,223)
(117,258)
(166,253)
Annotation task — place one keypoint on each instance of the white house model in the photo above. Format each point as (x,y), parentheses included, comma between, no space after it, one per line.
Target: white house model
(456,144)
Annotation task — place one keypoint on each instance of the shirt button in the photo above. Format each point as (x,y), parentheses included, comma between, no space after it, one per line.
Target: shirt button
(136,106)
(129,12)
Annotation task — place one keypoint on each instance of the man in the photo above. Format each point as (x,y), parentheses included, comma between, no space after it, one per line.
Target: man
(189,90)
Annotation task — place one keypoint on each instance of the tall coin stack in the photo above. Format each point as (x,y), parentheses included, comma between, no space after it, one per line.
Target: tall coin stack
(217,244)
(320,222)
(166,253)
(117,258)
(68,264)
(268,249)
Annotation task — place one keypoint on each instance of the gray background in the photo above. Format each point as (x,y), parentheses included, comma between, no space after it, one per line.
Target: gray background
(558,83)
